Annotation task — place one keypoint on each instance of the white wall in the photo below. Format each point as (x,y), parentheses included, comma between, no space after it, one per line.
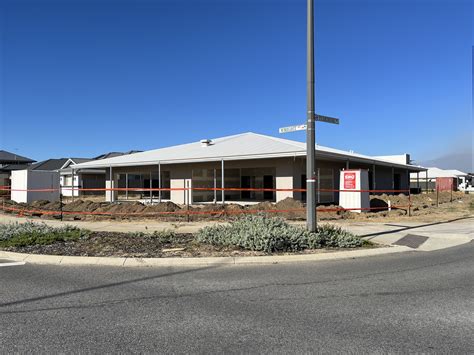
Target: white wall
(19,181)
(34,180)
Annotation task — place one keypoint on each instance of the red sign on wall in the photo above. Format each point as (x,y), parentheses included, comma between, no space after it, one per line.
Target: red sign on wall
(349,181)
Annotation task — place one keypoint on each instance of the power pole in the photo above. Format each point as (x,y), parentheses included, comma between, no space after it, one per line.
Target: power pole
(310,129)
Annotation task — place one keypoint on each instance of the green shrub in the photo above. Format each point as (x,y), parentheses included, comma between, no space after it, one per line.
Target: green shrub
(264,233)
(29,233)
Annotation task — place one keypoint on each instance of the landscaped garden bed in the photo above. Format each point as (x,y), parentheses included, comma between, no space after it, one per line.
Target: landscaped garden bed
(248,235)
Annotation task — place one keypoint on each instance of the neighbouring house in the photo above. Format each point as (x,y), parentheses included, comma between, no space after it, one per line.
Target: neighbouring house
(242,161)
(427,180)
(75,181)
(10,162)
(85,181)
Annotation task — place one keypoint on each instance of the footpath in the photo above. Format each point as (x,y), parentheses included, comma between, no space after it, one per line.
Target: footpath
(397,237)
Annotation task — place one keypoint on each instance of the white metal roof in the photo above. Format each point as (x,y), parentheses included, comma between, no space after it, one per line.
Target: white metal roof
(437,172)
(237,147)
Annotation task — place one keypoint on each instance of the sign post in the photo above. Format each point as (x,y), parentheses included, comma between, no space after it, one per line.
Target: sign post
(310,129)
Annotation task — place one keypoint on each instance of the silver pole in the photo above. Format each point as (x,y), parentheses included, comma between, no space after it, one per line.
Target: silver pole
(215,186)
(112,197)
(418,180)
(310,130)
(222,180)
(426,181)
(159,182)
(72,184)
(151,187)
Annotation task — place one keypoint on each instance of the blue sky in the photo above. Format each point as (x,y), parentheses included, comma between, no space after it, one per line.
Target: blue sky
(79,78)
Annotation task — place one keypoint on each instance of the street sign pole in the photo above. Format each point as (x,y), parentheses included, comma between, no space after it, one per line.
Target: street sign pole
(310,130)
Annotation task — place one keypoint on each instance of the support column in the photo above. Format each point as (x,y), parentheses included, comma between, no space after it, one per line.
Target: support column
(151,187)
(222,181)
(126,186)
(72,184)
(347,165)
(418,180)
(110,183)
(426,181)
(215,186)
(284,180)
(159,181)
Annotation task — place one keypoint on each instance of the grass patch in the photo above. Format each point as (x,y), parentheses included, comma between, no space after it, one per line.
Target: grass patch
(274,234)
(29,233)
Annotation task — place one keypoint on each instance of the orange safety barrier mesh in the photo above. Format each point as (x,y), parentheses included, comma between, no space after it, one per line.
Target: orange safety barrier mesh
(190,212)
(5,188)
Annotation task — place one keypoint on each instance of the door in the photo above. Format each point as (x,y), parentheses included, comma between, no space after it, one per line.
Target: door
(268,184)
(245,183)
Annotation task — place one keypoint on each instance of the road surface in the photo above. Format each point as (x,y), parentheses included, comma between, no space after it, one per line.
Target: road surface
(410,302)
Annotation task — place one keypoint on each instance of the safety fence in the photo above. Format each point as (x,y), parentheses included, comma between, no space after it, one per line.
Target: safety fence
(188,210)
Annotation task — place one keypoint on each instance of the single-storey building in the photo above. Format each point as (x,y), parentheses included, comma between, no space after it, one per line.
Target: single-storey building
(92,180)
(242,161)
(427,180)
(10,162)
(85,181)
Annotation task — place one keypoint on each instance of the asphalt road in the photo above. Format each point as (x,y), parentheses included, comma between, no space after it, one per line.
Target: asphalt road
(410,302)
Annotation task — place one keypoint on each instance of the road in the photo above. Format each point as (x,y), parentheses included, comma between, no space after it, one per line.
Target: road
(409,302)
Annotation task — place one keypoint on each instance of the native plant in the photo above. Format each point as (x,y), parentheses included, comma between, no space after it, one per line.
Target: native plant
(270,234)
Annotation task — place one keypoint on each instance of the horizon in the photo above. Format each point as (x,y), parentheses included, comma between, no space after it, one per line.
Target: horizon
(141,75)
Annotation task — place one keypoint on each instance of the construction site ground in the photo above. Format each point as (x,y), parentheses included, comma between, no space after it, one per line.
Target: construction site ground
(426,207)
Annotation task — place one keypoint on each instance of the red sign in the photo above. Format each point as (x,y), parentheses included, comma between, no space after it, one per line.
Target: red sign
(349,181)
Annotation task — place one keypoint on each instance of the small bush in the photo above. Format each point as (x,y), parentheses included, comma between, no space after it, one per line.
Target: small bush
(270,234)
(24,234)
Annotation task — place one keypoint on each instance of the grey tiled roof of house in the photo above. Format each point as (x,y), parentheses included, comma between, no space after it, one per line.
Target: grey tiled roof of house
(49,164)
(11,158)
(11,167)
(114,154)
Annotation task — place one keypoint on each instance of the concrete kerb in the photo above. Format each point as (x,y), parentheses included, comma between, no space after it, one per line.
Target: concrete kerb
(204,261)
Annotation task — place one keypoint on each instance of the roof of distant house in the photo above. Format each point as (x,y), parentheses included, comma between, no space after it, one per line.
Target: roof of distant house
(11,167)
(49,164)
(434,172)
(12,158)
(114,154)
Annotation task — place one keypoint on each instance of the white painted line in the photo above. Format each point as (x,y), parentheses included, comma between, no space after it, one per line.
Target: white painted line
(13,263)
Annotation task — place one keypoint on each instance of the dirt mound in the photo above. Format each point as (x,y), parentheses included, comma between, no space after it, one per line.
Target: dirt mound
(332,212)
(52,206)
(233,207)
(289,204)
(39,203)
(295,208)
(262,206)
(162,207)
(84,206)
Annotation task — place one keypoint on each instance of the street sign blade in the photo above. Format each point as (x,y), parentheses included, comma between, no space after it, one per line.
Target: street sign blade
(301,127)
(327,119)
